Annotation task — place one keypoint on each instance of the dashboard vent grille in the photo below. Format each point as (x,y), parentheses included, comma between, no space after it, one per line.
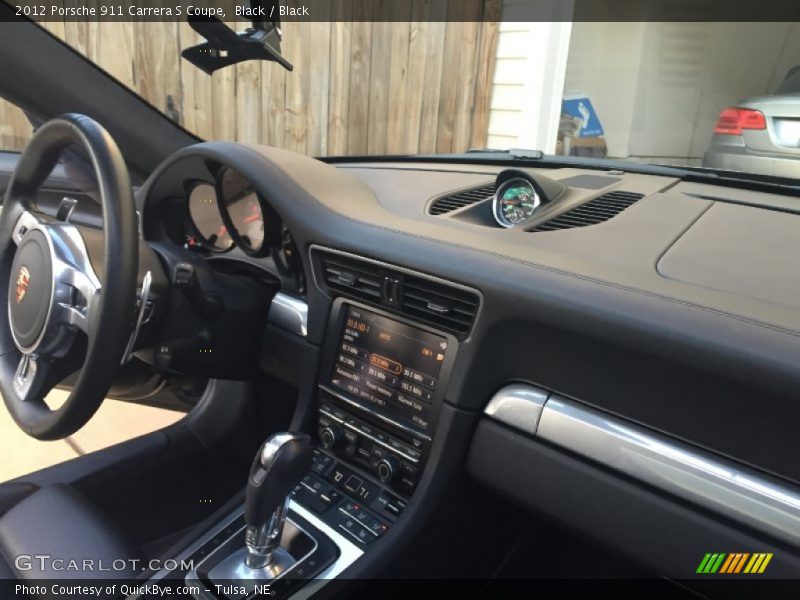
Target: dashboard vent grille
(448,307)
(593,212)
(452,202)
(354,277)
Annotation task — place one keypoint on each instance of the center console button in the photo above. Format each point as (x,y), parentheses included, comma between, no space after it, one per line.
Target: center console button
(321,462)
(394,507)
(408,469)
(352,484)
(329,497)
(365,492)
(338,475)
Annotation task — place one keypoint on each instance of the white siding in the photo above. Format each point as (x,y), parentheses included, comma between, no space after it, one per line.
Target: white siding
(528,79)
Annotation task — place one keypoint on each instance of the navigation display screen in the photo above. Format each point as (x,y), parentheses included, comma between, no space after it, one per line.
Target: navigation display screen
(390,366)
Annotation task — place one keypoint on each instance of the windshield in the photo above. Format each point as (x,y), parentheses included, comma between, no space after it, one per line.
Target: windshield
(673,93)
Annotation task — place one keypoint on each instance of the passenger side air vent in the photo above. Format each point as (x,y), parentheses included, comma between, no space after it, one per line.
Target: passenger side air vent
(448,307)
(354,277)
(593,212)
(452,202)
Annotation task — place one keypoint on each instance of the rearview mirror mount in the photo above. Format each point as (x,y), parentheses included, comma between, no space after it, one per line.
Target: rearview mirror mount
(224,47)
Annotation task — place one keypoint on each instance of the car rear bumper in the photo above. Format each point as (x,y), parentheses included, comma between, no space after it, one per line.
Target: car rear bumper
(733,158)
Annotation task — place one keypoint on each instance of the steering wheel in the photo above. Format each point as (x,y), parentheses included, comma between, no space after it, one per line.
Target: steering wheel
(67,307)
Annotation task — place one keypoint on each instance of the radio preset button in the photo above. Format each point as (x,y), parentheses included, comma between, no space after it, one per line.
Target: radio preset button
(419,378)
(413,404)
(416,391)
(383,376)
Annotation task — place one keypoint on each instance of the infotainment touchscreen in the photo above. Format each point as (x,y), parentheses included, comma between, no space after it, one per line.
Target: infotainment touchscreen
(392,367)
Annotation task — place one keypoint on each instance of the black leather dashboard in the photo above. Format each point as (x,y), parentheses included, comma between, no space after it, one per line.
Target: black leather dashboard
(596,313)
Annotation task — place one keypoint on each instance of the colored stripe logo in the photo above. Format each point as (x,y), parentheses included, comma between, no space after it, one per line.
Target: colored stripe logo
(734,563)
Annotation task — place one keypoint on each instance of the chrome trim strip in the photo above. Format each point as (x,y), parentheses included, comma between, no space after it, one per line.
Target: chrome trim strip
(144,298)
(519,406)
(289,313)
(702,478)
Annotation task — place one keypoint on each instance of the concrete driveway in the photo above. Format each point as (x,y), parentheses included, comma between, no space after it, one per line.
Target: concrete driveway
(113,423)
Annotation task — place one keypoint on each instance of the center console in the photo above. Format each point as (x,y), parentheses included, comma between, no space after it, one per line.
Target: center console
(315,504)
(378,399)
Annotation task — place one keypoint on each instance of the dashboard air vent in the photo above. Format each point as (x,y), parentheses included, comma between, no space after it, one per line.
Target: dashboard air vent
(451,202)
(445,306)
(593,212)
(440,304)
(354,277)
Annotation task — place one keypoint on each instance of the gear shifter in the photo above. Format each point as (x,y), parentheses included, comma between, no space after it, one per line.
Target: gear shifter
(279,465)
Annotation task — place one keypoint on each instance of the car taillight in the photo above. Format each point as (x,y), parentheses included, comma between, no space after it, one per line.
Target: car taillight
(732,121)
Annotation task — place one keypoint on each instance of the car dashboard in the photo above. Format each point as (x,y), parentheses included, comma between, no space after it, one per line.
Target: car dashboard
(585,342)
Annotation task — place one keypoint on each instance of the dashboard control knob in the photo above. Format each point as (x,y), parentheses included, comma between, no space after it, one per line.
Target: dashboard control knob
(330,436)
(387,468)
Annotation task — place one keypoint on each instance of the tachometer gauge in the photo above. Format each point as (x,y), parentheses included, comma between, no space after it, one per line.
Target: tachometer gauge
(207,220)
(244,210)
(515,202)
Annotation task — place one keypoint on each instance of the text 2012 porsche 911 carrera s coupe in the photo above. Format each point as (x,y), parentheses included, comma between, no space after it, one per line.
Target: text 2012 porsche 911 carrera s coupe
(461,369)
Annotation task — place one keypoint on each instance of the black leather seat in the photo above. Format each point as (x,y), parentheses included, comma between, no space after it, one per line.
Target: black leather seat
(59,522)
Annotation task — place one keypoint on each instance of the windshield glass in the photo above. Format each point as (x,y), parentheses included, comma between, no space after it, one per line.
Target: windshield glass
(416,81)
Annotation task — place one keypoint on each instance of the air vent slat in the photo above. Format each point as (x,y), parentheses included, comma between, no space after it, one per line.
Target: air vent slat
(448,307)
(451,202)
(411,289)
(355,278)
(595,211)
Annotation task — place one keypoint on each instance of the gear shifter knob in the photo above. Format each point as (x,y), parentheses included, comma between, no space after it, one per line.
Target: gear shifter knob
(279,465)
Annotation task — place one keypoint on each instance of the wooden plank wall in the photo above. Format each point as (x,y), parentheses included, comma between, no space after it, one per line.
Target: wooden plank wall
(415,83)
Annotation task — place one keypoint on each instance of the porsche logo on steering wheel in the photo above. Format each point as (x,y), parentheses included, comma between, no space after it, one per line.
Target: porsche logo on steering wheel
(23,280)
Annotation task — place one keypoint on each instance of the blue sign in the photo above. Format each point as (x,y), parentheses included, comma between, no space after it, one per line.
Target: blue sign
(585,118)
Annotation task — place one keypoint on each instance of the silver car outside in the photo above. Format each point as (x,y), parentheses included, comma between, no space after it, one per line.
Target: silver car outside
(774,150)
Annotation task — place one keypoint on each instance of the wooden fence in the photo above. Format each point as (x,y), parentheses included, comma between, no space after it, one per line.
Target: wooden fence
(415,80)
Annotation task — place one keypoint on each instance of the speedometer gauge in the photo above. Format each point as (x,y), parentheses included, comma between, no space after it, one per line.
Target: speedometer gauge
(207,220)
(515,202)
(244,210)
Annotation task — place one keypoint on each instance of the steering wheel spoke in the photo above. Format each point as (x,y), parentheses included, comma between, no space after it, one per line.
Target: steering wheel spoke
(25,223)
(30,377)
(78,290)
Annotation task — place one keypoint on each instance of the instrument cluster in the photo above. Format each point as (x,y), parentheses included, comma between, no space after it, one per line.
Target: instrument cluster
(225,212)
(229,212)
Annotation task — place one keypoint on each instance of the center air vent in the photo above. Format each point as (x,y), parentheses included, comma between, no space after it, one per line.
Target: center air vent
(451,202)
(354,277)
(593,212)
(446,306)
